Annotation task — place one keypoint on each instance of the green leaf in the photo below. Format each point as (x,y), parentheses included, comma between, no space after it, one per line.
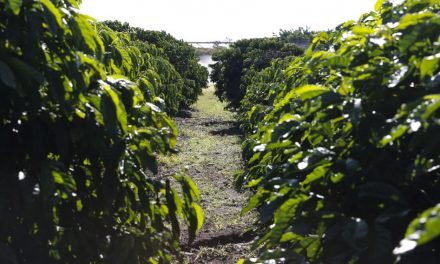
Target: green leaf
(304,93)
(199,215)
(413,19)
(336,178)
(422,230)
(310,91)
(56,13)
(338,61)
(194,191)
(254,201)
(345,88)
(429,65)
(289,117)
(92,63)
(396,133)
(283,216)
(57,177)
(74,3)
(79,205)
(175,205)
(316,174)
(14,6)
(195,218)
(286,212)
(121,114)
(177,202)
(433,107)
(254,183)
(290,236)
(378,5)
(313,247)
(88,34)
(7,76)
(362,30)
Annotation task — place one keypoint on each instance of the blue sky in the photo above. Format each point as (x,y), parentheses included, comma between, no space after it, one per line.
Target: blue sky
(209,20)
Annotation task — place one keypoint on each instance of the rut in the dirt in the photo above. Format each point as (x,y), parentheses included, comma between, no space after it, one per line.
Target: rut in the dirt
(209,145)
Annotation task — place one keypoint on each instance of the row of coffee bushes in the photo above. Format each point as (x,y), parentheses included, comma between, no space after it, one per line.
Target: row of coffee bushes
(343,146)
(183,57)
(81,124)
(141,61)
(236,66)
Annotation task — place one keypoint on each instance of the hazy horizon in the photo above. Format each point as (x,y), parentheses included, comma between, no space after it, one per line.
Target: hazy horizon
(215,20)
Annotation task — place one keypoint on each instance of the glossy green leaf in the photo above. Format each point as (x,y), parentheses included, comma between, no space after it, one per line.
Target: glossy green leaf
(429,65)
(414,19)
(433,107)
(422,230)
(14,6)
(121,114)
(396,133)
(290,236)
(363,31)
(310,91)
(378,5)
(57,177)
(199,214)
(54,11)
(192,188)
(254,201)
(316,174)
(88,34)
(304,93)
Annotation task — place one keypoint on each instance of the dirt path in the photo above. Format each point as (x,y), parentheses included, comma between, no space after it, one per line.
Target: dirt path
(209,145)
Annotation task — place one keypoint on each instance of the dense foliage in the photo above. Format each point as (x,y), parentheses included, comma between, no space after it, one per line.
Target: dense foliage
(300,36)
(343,143)
(261,92)
(179,53)
(77,139)
(236,66)
(142,62)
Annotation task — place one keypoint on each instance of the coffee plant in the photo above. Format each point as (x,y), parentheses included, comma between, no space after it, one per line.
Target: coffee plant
(236,66)
(80,126)
(142,62)
(180,54)
(343,146)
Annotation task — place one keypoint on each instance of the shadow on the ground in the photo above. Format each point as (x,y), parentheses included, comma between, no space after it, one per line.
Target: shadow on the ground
(229,131)
(219,122)
(223,128)
(185,113)
(221,238)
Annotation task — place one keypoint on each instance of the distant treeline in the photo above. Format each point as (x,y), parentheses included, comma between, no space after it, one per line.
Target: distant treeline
(208,51)
(301,37)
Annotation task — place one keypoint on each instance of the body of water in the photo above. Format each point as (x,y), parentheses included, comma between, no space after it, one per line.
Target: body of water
(205,60)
